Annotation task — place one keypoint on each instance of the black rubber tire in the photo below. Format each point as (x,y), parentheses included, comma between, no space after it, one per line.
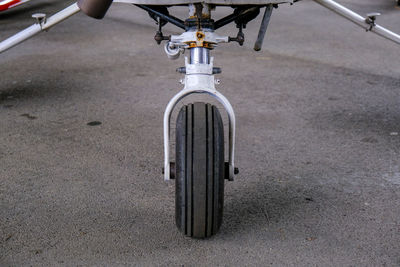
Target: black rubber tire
(199,170)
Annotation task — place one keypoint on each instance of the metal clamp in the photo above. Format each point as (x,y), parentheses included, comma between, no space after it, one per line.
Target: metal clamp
(371,18)
(40,18)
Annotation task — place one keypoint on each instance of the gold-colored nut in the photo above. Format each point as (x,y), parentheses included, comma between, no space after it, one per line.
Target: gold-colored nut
(200,35)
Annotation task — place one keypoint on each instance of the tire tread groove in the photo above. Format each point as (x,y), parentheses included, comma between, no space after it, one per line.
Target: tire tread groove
(201,150)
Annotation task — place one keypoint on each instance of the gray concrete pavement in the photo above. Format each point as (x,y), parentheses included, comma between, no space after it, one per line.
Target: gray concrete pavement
(318,143)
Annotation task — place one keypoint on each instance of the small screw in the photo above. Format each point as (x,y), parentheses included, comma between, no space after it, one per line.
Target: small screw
(200,35)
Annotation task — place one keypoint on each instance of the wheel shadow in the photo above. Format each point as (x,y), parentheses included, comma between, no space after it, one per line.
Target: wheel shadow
(376,125)
(268,203)
(268,207)
(29,91)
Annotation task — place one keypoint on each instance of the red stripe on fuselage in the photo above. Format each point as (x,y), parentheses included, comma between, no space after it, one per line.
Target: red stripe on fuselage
(9,4)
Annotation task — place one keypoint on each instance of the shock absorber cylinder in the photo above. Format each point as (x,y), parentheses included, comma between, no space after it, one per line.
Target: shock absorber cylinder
(199,55)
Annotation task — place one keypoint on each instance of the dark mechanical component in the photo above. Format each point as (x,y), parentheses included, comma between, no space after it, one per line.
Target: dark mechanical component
(94,8)
(159,37)
(200,170)
(241,15)
(172,170)
(235,171)
(199,12)
(216,70)
(155,13)
(245,15)
(263,28)
(199,20)
(239,38)
(160,9)
(371,18)
(193,23)
(181,70)
(171,19)
(161,15)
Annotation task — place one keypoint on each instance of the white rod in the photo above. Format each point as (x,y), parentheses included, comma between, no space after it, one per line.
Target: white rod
(20,37)
(359,20)
(37,28)
(61,16)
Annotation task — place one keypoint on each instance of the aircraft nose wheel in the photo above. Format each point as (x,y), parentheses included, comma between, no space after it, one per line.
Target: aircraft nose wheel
(199,170)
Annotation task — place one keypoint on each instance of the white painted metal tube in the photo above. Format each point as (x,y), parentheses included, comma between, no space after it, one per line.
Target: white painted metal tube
(38,27)
(359,20)
(20,37)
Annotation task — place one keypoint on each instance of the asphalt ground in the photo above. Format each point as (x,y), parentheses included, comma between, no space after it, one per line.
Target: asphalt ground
(318,143)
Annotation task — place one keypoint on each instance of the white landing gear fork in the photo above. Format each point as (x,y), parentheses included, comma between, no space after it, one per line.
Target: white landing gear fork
(199,79)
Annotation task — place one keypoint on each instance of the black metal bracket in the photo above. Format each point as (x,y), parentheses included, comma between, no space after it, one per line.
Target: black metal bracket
(239,37)
(235,171)
(241,15)
(371,20)
(216,70)
(163,16)
(226,169)
(159,37)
